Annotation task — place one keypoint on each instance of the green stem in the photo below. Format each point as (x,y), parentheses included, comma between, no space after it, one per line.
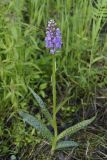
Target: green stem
(54,100)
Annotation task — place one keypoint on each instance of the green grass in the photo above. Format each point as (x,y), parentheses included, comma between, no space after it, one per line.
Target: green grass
(24,61)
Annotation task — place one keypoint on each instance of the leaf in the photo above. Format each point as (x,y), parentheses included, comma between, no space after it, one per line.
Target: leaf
(36,124)
(97,59)
(42,106)
(43,86)
(62,103)
(75,128)
(14,32)
(66,144)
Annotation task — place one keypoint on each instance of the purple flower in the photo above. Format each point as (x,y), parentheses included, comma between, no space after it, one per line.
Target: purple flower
(53,37)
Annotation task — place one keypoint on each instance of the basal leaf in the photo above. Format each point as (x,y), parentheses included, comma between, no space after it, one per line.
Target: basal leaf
(42,106)
(75,128)
(36,124)
(66,144)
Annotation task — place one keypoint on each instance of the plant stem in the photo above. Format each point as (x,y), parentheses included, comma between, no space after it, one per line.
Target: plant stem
(54,100)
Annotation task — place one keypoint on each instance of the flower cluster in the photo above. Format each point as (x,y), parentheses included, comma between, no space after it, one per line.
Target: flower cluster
(53,37)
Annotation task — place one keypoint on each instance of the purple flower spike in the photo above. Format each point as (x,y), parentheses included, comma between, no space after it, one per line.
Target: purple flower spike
(53,37)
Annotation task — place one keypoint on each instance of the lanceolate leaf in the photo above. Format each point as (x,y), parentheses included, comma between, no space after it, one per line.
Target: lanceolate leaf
(75,128)
(42,106)
(66,144)
(37,124)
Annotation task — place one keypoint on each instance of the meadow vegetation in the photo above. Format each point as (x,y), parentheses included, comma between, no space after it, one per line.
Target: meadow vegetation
(81,75)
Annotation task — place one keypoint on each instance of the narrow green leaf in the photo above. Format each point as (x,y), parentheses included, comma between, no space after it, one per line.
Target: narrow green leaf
(62,103)
(36,124)
(97,59)
(42,106)
(66,144)
(75,128)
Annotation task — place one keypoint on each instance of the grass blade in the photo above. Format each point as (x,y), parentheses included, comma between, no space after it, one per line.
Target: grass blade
(62,103)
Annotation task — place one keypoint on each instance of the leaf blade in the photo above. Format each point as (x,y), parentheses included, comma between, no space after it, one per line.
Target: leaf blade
(42,106)
(44,131)
(75,128)
(66,144)
(62,104)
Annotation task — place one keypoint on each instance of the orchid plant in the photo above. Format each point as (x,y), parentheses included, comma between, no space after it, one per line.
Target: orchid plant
(53,42)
